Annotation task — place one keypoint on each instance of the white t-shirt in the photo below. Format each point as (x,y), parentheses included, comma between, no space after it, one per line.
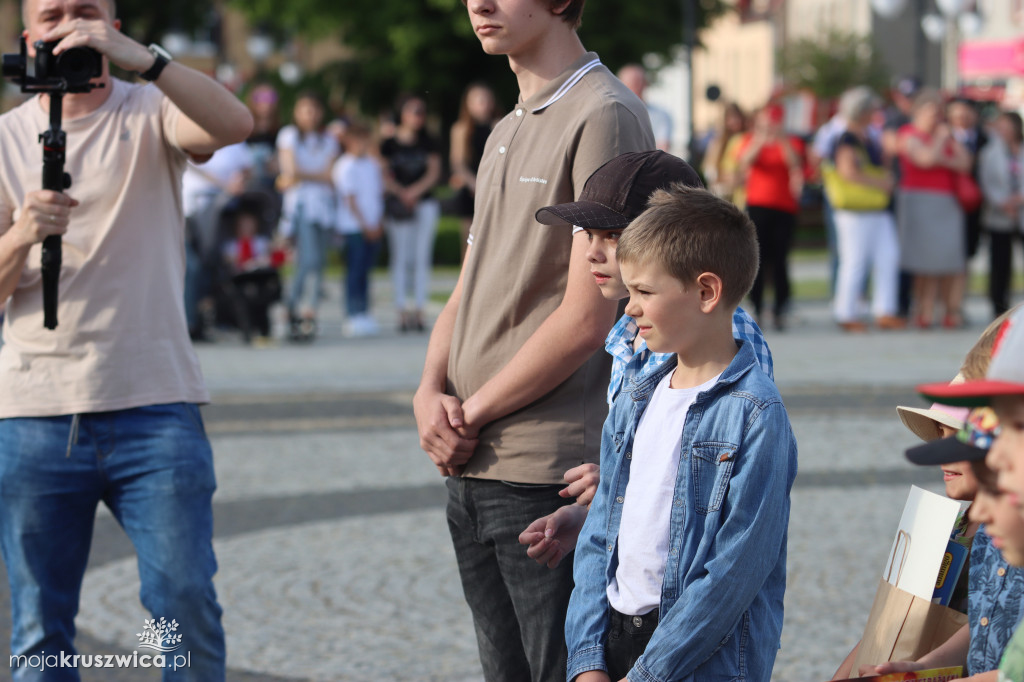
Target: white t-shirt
(644,535)
(308,201)
(360,177)
(202,182)
(121,339)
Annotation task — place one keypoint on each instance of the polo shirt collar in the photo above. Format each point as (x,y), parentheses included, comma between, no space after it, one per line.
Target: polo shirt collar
(557,88)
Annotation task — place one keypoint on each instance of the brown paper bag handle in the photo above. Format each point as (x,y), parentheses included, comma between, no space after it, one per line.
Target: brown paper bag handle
(903,559)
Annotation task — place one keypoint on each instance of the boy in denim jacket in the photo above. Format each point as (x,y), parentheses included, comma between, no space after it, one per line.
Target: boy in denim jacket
(680,569)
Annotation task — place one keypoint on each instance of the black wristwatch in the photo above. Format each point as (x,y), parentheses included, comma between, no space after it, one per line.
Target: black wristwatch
(163,58)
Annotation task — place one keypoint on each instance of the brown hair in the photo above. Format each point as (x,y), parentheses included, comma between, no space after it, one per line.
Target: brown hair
(689,231)
(976,363)
(928,96)
(987,478)
(573,12)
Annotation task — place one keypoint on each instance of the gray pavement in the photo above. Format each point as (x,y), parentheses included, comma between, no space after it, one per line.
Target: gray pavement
(334,558)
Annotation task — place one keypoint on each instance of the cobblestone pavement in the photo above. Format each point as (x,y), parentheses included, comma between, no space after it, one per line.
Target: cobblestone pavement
(334,558)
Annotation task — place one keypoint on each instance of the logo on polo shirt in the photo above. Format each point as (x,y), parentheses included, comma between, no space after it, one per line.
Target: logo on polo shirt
(539,181)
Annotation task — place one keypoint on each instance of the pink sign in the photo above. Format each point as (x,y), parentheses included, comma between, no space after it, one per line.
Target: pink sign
(991,59)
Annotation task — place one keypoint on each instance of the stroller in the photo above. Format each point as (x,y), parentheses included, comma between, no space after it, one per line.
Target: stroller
(247,275)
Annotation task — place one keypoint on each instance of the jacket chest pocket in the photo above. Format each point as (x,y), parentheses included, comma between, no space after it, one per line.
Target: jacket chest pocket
(711,468)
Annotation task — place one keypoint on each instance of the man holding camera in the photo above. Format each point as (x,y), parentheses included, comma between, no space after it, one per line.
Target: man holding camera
(104,406)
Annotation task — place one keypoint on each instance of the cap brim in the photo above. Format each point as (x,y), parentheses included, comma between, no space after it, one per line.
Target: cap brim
(586,214)
(945,451)
(970,393)
(924,422)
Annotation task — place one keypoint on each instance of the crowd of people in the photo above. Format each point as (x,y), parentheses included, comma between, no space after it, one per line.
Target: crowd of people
(911,190)
(316,185)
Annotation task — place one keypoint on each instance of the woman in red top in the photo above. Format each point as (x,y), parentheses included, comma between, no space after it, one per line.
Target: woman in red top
(773,164)
(930,219)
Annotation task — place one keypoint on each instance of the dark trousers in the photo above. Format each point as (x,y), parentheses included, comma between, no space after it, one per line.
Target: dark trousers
(1000,269)
(518,605)
(628,637)
(774,238)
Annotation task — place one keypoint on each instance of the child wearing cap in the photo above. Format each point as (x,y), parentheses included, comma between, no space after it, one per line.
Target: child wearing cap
(613,196)
(1003,389)
(995,589)
(680,567)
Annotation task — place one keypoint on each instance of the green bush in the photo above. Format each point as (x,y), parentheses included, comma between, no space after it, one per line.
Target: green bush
(448,244)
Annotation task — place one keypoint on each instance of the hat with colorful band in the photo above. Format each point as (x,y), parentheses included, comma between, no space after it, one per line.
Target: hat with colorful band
(970,443)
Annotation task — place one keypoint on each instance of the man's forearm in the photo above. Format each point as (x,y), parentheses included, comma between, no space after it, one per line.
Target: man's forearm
(208,104)
(13,255)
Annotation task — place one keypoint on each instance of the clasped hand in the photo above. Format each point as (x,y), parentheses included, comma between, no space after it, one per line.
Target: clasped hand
(445,434)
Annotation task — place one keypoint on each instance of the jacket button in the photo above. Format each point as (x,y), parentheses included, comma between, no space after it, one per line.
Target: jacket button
(519,112)
(501,150)
(1001,572)
(619,499)
(610,548)
(983,621)
(629,455)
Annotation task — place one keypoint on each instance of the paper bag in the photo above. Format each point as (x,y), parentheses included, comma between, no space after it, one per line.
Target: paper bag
(902,626)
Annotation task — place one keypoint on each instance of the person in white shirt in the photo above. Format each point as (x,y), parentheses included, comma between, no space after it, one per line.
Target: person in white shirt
(359,183)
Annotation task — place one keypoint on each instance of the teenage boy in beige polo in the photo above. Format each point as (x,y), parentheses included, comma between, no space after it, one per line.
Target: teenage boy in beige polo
(513,385)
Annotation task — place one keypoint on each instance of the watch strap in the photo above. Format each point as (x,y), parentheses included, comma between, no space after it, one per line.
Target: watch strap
(162,60)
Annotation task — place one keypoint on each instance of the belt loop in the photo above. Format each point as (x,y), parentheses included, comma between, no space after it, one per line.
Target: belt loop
(73,434)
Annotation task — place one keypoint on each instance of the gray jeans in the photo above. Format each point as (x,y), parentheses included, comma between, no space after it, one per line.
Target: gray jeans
(518,605)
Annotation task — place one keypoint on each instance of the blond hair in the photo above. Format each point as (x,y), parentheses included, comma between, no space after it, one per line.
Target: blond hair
(979,357)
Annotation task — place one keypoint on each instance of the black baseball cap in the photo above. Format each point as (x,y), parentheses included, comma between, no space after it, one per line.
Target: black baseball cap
(618,191)
(969,444)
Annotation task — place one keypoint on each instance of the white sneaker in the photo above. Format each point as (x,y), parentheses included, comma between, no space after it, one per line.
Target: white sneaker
(361,326)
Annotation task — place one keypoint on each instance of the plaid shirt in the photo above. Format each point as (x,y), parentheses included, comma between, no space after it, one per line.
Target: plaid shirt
(627,364)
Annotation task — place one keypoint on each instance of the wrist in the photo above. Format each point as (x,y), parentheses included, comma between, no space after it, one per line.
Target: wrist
(474,412)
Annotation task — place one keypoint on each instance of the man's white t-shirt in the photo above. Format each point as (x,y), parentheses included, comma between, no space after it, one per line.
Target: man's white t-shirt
(121,339)
(644,533)
(202,182)
(360,177)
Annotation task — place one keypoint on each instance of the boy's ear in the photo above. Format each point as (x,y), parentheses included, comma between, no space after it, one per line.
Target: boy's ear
(709,286)
(557,7)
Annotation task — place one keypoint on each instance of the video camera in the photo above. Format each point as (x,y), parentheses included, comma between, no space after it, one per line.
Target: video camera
(70,71)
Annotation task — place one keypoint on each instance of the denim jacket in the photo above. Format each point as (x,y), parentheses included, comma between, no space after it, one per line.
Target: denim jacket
(720,616)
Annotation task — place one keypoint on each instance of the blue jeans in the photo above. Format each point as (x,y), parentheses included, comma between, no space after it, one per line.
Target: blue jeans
(153,467)
(518,605)
(311,242)
(360,257)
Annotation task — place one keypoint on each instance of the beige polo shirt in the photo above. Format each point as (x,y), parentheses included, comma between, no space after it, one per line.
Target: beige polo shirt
(121,339)
(541,153)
